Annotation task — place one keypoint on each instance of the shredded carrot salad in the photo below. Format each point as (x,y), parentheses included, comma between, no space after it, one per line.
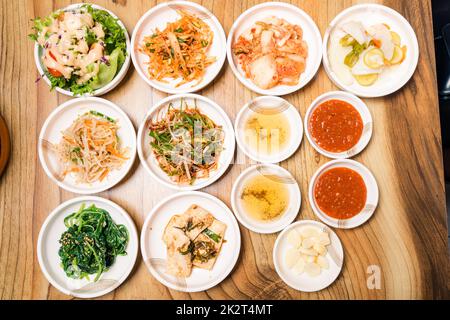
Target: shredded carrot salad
(90,149)
(180,50)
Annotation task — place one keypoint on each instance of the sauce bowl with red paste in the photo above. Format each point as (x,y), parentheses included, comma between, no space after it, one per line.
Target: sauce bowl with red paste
(343,193)
(338,124)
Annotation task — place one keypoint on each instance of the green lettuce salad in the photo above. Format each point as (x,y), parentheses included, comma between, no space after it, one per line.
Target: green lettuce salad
(82,50)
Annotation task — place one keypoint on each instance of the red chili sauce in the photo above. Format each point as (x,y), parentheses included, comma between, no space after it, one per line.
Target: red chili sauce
(340,193)
(335,125)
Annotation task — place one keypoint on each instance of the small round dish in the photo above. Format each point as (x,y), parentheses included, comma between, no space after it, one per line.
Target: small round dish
(158,17)
(60,119)
(292,14)
(154,250)
(390,80)
(205,106)
(280,175)
(38,51)
(48,246)
(363,111)
(303,282)
(371,200)
(272,106)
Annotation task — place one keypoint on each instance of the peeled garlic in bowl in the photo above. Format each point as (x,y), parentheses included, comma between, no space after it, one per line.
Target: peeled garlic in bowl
(308,249)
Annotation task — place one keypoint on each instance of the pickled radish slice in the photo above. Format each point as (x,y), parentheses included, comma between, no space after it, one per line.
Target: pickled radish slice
(398,55)
(299,266)
(374,58)
(292,257)
(395,38)
(366,79)
(307,251)
(312,269)
(322,262)
(294,239)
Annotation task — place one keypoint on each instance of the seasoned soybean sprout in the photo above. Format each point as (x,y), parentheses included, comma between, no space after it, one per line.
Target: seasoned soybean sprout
(90,148)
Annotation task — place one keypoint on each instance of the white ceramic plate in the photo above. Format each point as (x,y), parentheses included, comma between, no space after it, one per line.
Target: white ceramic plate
(207,107)
(364,112)
(154,250)
(371,201)
(303,282)
(108,87)
(60,119)
(270,104)
(290,213)
(48,246)
(292,14)
(158,17)
(390,80)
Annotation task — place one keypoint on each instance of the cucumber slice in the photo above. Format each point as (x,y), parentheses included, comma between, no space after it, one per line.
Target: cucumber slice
(107,72)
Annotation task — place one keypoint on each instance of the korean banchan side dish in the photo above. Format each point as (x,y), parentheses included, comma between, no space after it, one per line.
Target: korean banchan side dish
(82,49)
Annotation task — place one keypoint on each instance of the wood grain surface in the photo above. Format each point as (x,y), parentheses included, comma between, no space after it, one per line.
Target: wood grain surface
(406,238)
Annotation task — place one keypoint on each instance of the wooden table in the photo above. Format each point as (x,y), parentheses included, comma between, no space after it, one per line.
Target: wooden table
(406,238)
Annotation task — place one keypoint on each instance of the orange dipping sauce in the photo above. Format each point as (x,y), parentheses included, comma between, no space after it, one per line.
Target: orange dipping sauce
(340,193)
(335,125)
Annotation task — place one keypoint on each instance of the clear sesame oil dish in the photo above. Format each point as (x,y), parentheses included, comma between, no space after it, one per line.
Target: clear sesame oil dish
(264,197)
(267,133)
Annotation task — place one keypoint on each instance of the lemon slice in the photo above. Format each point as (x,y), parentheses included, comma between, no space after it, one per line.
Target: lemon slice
(395,38)
(398,56)
(374,58)
(366,79)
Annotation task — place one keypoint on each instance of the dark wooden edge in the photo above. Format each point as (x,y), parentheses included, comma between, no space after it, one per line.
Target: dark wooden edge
(5,145)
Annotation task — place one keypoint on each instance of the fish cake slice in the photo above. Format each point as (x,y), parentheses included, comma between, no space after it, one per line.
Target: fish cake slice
(178,264)
(218,228)
(200,219)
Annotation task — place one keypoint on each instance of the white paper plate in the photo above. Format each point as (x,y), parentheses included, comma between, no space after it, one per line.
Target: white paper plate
(303,282)
(48,246)
(364,112)
(108,87)
(60,119)
(158,17)
(207,107)
(371,201)
(277,105)
(290,213)
(292,14)
(154,251)
(390,80)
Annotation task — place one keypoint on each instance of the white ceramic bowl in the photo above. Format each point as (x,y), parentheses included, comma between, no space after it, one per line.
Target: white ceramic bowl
(154,251)
(270,104)
(390,80)
(371,201)
(60,119)
(205,106)
(303,282)
(108,87)
(286,218)
(48,246)
(158,17)
(364,112)
(292,14)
